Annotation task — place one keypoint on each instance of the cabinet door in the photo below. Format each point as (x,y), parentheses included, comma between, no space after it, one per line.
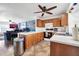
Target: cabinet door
(40,23)
(40,36)
(58,49)
(56,22)
(37,37)
(33,39)
(28,41)
(64,20)
(48,21)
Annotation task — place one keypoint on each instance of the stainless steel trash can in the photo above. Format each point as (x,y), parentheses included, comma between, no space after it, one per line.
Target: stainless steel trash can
(18,46)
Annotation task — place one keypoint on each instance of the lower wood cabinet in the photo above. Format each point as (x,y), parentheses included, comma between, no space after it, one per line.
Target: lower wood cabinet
(28,41)
(32,39)
(57,49)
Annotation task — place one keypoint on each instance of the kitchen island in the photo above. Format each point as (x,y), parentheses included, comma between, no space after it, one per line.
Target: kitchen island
(31,38)
(62,45)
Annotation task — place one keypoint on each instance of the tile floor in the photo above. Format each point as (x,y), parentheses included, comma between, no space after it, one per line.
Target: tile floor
(5,51)
(40,49)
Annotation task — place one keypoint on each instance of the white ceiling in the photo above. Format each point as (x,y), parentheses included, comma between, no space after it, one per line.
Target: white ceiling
(24,10)
(76,8)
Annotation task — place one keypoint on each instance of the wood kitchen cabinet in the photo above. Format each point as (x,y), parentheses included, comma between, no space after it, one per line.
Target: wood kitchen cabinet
(28,41)
(40,36)
(33,39)
(58,49)
(64,20)
(40,23)
(56,23)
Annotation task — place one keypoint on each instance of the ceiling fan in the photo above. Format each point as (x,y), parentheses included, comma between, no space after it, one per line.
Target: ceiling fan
(45,10)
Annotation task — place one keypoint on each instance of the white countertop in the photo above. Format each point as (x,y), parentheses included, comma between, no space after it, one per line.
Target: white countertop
(64,40)
(58,38)
(27,33)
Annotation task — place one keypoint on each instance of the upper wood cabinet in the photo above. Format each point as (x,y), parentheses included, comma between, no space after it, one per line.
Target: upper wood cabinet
(64,19)
(40,23)
(56,22)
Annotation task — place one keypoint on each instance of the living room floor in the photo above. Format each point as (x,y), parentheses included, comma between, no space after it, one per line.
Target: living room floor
(40,49)
(5,51)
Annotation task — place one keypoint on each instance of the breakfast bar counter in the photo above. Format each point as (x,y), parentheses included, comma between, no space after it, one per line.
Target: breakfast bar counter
(31,38)
(68,40)
(62,45)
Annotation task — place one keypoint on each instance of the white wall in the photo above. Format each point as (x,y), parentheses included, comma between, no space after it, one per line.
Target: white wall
(73,18)
(4,24)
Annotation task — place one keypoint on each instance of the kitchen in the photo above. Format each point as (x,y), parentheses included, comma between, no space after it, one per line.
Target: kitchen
(55,31)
